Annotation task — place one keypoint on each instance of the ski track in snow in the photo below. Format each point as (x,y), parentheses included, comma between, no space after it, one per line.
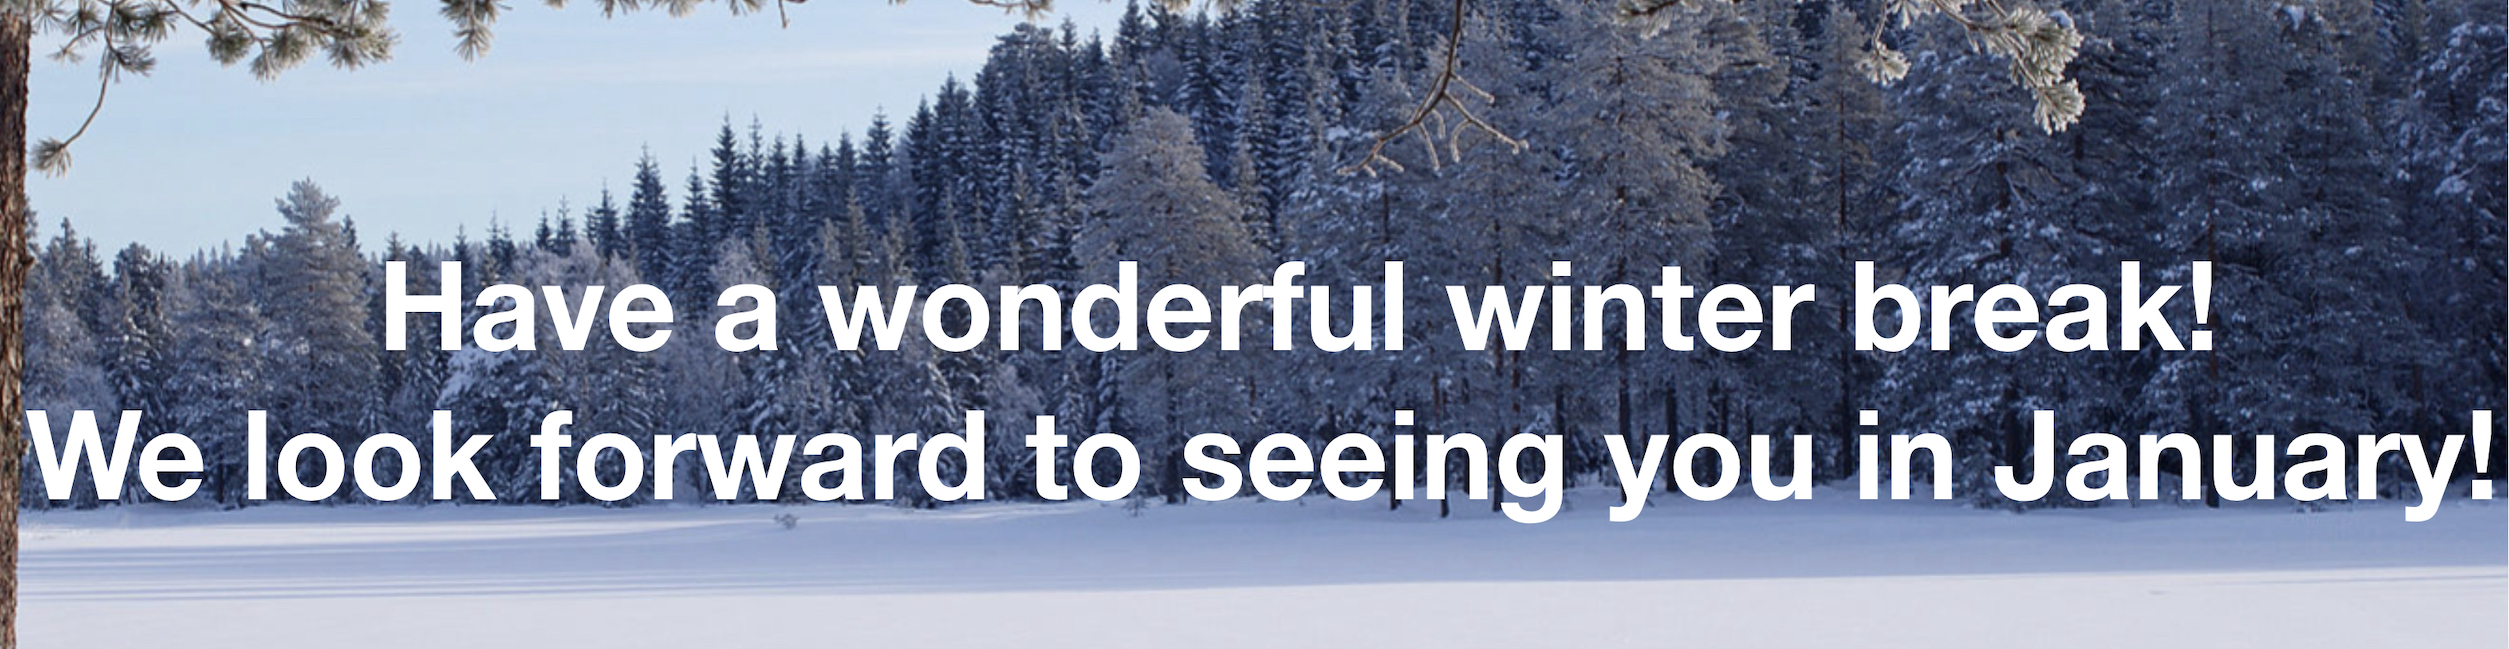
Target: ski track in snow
(1831,572)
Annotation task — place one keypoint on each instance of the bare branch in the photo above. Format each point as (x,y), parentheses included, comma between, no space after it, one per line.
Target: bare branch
(1447,93)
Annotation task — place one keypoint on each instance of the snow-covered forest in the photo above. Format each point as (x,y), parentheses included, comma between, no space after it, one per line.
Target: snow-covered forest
(2340,162)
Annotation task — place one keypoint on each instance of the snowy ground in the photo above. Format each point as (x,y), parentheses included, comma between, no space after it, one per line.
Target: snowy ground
(1831,572)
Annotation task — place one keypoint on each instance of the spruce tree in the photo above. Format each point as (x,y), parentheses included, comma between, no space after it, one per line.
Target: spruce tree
(603,228)
(138,347)
(648,228)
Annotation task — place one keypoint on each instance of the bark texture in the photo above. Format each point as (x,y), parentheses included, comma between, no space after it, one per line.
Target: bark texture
(16,41)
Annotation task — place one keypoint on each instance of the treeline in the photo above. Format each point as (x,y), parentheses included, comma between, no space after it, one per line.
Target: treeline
(2339,162)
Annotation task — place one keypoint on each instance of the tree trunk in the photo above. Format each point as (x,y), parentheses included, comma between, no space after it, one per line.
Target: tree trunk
(1559,426)
(1672,430)
(1627,439)
(16,47)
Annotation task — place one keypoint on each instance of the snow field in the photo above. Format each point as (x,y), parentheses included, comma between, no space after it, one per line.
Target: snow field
(1830,572)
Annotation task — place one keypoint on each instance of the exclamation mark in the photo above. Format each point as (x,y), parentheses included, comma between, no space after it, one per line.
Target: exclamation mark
(2482,453)
(2202,339)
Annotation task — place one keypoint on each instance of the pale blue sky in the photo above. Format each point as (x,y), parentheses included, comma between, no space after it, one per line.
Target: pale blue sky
(425,143)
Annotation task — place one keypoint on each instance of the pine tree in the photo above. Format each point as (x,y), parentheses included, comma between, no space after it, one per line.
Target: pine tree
(1157,205)
(694,238)
(137,349)
(1801,185)
(410,381)
(648,229)
(64,360)
(311,284)
(2452,149)
(603,228)
(1641,114)
(873,188)
(732,174)
(218,371)
(69,266)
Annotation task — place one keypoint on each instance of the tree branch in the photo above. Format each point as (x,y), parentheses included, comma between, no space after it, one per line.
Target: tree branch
(1443,97)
